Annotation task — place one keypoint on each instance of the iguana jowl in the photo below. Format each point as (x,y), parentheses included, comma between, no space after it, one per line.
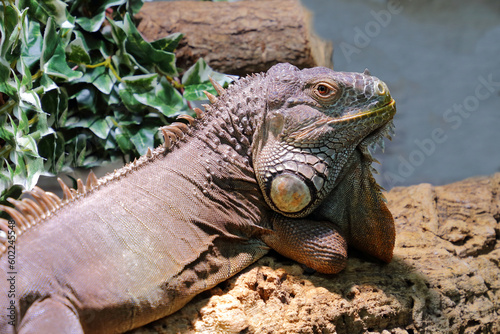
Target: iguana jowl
(279,160)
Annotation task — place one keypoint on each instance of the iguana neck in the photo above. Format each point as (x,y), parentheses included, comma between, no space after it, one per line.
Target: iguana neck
(233,120)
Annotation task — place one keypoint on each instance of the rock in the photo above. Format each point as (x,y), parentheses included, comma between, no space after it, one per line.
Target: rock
(444,278)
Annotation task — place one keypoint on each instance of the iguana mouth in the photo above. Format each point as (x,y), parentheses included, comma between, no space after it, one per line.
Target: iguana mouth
(383,117)
(380,115)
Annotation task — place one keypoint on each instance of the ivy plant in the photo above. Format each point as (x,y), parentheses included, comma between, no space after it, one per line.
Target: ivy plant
(80,86)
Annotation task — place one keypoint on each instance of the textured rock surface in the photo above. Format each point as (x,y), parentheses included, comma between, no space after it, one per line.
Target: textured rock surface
(445,277)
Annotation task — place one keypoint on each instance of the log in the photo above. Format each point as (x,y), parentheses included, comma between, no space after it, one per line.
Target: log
(237,37)
(444,278)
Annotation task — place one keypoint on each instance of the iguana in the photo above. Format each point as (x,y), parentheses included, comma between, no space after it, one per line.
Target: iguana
(279,160)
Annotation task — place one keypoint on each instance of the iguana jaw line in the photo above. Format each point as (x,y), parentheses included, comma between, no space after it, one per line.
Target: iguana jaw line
(387,111)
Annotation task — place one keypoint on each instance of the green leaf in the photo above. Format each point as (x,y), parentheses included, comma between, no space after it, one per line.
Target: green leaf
(55,103)
(140,83)
(34,167)
(79,149)
(168,43)
(30,100)
(94,22)
(56,9)
(14,191)
(100,77)
(137,46)
(86,98)
(143,139)
(40,127)
(50,42)
(133,6)
(22,118)
(47,83)
(92,42)
(35,11)
(58,67)
(8,23)
(53,59)
(32,50)
(27,145)
(128,99)
(200,72)
(77,53)
(195,92)
(163,98)
(122,138)
(51,147)
(75,122)
(91,24)
(101,127)
(4,73)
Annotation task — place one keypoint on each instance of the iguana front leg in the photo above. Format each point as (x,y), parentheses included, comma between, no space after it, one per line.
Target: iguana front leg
(317,244)
(354,213)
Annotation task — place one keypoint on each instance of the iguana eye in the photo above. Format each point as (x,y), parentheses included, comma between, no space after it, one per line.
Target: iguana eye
(326,92)
(323,90)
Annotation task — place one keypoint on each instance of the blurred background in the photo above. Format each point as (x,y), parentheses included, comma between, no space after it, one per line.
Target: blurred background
(441,61)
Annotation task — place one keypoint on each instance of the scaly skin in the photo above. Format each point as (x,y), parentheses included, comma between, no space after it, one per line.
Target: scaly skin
(279,160)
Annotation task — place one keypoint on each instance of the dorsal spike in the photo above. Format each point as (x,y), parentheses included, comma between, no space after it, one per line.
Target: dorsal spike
(67,193)
(199,113)
(24,209)
(366,72)
(166,138)
(4,225)
(80,187)
(54,198)
(39,201)
(49,202)
(20,220)
(183,127)
(149,153)
(178,132)
(217,86)
(210,97)
(206,106)
(91,180)
(18,204)
(188,118)
(34,207)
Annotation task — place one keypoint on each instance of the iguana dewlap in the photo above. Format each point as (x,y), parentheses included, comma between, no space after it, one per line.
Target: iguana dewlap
(279,160)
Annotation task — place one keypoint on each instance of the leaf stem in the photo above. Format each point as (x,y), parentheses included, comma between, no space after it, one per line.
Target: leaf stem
(107,64)
(5,151)
(37,75)
(7,106)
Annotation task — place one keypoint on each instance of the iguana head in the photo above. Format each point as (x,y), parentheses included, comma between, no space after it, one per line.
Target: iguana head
(314,121)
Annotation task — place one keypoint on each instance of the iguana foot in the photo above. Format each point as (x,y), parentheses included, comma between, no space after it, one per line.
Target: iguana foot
(317,244)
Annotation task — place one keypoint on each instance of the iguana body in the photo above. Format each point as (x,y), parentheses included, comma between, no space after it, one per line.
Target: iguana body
(279,160)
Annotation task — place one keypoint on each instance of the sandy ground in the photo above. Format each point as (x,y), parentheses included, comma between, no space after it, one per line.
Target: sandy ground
(441,61)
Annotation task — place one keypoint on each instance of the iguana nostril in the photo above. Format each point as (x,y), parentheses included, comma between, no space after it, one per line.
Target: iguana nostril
(289,193)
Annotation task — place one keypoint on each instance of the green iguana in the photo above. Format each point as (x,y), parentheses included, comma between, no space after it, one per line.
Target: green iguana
(279,160)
